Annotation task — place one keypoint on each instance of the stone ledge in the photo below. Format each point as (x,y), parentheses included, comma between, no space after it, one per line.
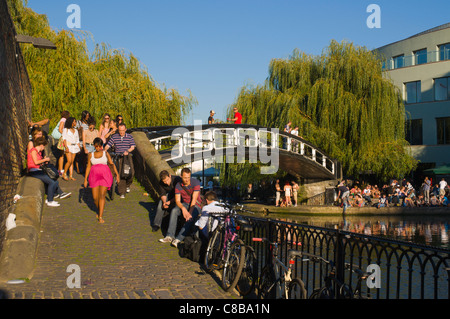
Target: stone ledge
(19,249)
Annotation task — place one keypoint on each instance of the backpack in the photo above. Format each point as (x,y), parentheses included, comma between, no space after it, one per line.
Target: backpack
(192,248)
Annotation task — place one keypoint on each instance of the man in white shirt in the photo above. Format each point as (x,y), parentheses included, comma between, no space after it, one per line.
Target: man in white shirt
(442,186)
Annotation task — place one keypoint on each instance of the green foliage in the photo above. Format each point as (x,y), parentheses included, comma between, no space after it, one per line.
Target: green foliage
(106,81)
(341,102)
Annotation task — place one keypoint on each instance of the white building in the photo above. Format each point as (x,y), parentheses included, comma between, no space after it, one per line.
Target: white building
(420,67)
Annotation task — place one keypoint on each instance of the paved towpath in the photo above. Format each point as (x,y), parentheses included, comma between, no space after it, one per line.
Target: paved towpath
(120,259)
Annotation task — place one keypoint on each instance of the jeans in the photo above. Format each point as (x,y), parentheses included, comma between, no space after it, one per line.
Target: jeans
(52,186)
(160,213)
(174,214)
(345,197)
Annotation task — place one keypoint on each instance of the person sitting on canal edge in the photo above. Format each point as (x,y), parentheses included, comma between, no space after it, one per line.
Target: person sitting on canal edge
(210,207)
(188,201)
(167,183)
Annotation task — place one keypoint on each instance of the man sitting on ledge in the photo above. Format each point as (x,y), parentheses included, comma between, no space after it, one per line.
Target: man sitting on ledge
(166,185)
(188,201)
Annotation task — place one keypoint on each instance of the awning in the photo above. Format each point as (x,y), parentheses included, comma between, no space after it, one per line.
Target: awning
(441,170)
(212,171)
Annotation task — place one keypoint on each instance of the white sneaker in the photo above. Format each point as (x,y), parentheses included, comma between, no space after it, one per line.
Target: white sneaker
(53,204)
(128,190)
(175,242)
(64,195)
(166,239)
(122,196)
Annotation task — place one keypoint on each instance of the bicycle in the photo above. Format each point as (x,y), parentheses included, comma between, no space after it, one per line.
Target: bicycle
(276,279)
(228,252)
(249,275)
(334,288)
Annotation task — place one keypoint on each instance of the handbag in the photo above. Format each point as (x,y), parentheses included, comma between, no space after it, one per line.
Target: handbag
(51,171)
(126,167)
(56,134)
(60,145)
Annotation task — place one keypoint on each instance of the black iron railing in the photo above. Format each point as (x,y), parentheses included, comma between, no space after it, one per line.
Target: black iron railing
(404,270)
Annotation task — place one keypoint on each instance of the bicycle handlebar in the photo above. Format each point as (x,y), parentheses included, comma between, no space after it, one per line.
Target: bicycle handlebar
(237,207)
(265,239)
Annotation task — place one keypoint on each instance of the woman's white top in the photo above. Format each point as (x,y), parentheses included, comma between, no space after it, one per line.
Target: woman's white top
(72,139)
(101,160)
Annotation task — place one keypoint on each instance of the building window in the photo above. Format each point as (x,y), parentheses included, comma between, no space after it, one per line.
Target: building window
(443,130)
(399,61)
(413,92)
(442,89)
(444,52)
(414,132)
(420,56)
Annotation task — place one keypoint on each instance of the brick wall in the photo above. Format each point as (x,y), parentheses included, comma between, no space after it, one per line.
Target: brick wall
(15,110)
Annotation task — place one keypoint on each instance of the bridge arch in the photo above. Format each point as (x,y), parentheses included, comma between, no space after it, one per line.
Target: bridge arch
(227,142)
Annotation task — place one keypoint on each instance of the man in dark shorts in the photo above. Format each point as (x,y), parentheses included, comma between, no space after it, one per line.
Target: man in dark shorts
(166,185)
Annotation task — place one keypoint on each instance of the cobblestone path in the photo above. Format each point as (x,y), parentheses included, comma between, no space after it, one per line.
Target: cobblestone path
(120,259)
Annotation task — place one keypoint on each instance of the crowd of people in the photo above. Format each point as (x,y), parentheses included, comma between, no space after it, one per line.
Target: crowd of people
(395,193)
(79,145)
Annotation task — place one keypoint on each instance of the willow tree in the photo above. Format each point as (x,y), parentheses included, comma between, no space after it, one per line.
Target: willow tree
(106,80)
(342,102)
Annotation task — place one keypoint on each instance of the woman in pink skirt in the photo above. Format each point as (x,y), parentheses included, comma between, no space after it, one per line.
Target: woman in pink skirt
(100,176)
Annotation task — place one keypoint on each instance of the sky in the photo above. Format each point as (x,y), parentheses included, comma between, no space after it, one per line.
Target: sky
(213,48)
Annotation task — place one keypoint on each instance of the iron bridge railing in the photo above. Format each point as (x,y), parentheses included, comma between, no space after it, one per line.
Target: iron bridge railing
(193,140)
(407,270)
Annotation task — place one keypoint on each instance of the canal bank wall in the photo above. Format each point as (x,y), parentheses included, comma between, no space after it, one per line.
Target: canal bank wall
(324,210)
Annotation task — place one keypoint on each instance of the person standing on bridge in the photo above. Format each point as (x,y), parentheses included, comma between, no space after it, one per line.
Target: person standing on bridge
(211,119)
(166,192)
(237,116)
(124,144)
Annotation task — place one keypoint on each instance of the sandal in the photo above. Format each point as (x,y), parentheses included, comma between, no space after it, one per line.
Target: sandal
(72,179)
(64,177)
(100,220)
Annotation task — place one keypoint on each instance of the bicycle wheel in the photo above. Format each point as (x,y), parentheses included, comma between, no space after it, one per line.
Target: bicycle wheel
(214,250)
(266,283)
(233,265)
(249,275)
(296,289)
(345,292)
(321,293)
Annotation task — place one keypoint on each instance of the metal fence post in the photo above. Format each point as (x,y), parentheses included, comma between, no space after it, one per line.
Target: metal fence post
(339,258)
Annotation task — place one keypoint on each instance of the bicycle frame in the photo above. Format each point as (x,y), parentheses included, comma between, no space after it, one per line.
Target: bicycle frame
(230,235)
(283,273)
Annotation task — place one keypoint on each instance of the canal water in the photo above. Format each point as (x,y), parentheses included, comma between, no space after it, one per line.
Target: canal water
(425,230)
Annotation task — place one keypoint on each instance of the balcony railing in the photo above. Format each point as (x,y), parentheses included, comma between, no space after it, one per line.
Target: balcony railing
(416,59)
